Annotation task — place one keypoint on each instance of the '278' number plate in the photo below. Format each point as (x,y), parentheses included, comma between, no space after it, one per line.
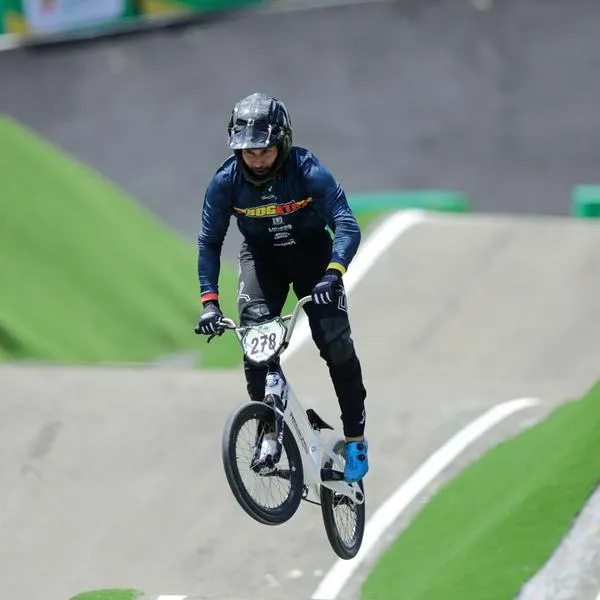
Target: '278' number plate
(262,341)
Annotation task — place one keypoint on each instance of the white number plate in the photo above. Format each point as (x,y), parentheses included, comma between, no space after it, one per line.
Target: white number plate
(261,342)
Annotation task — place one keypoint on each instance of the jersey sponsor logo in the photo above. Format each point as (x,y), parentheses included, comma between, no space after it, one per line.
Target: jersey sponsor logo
(268,197)
(270,210)
(280,228)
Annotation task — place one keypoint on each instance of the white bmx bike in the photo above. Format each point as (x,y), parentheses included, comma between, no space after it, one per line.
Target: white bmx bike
(275,452)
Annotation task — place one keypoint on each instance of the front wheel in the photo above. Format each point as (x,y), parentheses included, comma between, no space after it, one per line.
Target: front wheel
(270,494)
(344,520)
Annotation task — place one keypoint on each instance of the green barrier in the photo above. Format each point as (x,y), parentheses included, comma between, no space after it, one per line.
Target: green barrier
(585,201)
(436,200)
(169,7)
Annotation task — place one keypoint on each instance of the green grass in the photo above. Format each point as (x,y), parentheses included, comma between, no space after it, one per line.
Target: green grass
(115,594)
(87,274)
(490,529)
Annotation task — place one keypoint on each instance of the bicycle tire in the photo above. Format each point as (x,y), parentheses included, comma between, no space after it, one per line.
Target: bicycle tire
(265,515)
(340,547)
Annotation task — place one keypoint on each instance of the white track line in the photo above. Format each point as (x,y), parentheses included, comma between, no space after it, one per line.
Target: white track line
(390,510)
(369,251)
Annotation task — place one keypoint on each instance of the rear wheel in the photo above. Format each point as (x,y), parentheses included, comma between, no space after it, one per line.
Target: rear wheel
(270,495)
(344,520)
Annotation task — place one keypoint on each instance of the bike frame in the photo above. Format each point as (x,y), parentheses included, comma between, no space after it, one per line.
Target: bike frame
(314,448)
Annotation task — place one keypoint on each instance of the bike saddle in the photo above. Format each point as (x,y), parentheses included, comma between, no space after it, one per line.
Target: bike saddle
(315,420)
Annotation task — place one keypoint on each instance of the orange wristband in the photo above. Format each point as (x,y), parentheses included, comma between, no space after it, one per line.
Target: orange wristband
(209,296)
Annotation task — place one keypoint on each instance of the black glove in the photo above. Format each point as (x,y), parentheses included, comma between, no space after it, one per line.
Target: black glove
(208,324)
(329,288)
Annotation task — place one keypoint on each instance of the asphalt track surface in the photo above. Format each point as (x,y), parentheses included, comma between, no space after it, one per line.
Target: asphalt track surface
(112,477)
(501,104)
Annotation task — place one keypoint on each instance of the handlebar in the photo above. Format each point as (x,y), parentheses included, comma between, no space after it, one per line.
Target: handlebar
(292,318)
(228,323)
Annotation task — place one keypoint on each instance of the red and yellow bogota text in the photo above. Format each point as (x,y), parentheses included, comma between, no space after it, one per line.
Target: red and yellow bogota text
(272,210)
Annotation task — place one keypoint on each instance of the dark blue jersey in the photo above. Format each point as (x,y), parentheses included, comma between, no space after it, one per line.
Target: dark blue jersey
(289,212)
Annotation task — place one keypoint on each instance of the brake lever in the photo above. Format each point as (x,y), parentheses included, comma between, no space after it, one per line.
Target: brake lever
(212,335)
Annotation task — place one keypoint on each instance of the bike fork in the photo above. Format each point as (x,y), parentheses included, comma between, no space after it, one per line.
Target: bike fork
(275,395)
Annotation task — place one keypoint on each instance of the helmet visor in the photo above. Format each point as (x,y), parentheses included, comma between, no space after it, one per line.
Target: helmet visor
(252,134)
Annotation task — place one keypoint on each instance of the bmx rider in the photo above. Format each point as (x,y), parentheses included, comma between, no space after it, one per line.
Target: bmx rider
(283,198)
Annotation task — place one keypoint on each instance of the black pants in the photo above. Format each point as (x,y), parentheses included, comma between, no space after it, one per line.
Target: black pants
(264,282)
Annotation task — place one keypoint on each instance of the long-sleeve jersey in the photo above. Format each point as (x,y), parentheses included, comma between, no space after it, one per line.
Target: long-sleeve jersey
(290,211)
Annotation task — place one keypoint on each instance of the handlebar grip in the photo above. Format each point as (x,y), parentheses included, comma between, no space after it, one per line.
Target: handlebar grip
(227,323)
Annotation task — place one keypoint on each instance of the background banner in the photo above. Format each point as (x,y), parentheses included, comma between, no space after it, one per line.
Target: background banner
(43,17)
(50,18)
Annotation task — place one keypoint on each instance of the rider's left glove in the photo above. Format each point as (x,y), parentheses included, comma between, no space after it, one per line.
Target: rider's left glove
(329,288)
(208,324)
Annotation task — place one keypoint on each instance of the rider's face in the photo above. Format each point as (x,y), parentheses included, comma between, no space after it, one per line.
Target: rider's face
(260,160)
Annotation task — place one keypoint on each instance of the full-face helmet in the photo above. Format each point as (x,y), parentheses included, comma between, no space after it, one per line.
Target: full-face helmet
(259,121)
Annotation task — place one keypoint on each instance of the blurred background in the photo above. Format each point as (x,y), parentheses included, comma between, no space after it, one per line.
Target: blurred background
(497,99)
(494,100)
(113,117)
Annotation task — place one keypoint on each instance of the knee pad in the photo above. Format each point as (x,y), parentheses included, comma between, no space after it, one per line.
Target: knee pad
(254,312)
(337,344)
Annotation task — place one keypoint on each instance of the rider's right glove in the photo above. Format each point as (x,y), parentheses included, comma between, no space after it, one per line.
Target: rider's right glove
(208,324)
